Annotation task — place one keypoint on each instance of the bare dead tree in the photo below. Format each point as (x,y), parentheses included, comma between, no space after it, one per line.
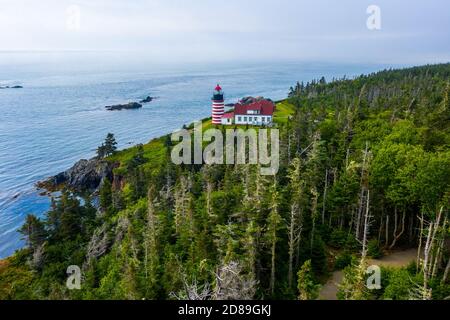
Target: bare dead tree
(150,236)
(98,245)
(386,240)
(363,193)
(427,250)
(446,272)
(347,155)
(209,188)
(380,228)
(182,210)
(232,284)
(250,247)
(367,223)
(429,246)
(315,197)
(335,178)
(192,290)
(411,229)
(418,292)
(324,196)
(122,226)
(353,284)
(297,256)
(273,222)
(296,222)
(437,258)
(289,149)
(395,221)
(294,238)
(397,236)
(37,259)
(440,248)
(419,249)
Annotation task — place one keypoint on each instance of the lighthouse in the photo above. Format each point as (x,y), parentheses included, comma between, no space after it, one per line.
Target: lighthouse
(218,105)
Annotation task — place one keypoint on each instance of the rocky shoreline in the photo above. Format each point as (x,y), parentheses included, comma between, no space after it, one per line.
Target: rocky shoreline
(83,176)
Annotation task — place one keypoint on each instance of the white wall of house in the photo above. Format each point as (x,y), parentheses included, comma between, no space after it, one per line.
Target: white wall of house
(253,119)
(227,121)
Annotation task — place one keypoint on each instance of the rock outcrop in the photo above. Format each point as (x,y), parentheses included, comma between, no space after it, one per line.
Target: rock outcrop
(13,87)
(85,175)
(249,100)
(147,100)
(128,106)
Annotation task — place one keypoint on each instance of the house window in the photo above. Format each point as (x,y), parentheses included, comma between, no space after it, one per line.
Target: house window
(256,118)
(245,119)
(239,119)
(263,119)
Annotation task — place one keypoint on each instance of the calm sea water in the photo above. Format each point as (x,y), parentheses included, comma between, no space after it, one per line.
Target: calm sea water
(59,116)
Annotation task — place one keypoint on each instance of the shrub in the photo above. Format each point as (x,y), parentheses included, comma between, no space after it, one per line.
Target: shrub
(399,285)
(308,289)
(343,260)
(374,250)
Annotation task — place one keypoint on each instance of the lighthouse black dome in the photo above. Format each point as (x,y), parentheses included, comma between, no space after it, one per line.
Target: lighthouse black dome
(218,94)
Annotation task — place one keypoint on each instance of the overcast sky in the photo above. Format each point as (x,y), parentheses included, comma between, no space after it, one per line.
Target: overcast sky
(414,31)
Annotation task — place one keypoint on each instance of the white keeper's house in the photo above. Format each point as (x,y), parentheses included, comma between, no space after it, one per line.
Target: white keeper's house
(252,111)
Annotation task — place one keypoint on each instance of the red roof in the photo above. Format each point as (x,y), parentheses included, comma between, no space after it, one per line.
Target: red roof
(218,88)
(229,115)
(265,108)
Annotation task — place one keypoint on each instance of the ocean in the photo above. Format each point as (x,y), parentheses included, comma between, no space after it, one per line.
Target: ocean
(58,117)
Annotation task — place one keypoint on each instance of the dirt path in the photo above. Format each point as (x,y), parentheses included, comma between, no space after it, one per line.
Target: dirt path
(395,259)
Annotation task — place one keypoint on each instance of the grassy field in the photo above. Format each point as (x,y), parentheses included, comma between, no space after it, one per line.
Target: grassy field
(283,111)
(154,151)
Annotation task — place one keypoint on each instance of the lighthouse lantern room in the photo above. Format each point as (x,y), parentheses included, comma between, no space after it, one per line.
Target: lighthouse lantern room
(218,105)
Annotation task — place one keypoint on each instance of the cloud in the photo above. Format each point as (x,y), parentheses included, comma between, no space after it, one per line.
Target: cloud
(208,30)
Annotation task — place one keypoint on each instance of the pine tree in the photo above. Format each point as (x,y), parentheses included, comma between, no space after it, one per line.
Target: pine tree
(33,231)
(110,144)
(108,147)
(106,195)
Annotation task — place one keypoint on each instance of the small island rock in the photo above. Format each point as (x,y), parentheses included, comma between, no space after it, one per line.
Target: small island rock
(147,100)
(128,106)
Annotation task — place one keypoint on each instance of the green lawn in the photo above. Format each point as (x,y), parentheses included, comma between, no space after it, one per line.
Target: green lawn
(283,111)
(154,151)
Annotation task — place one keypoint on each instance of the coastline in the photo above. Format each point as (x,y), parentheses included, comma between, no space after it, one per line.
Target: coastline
(71,125)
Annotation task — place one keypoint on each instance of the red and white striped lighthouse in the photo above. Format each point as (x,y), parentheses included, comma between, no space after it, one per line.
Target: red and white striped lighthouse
(218,105)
